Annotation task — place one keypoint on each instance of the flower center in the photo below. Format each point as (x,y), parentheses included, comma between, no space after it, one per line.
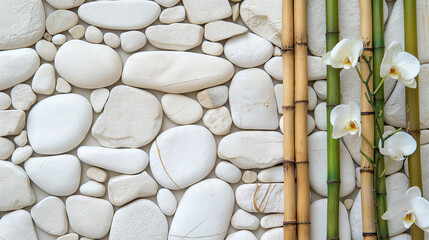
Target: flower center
(394,72)
(352,126)
(347,61)
(408,218)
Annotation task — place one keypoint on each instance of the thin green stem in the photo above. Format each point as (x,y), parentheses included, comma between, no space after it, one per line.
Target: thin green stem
(367,141)
(379,85)
(385,168)
(368,158)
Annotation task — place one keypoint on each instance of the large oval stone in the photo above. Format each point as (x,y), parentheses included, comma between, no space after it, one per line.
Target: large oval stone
(16,66)
(88,65)
(204,212)
(120,15)
(176,72)
(59,123)
(318,216)
(182,156)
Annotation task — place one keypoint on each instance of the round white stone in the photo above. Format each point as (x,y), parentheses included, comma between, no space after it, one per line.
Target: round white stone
(221,30)
(176,36)
(93,34)
(44,79)
(212,48)
(228,172)
(70,236)
(132,41)
(22,97)
(204,210)
(77,32)
(17,66)
(22,23)
(92,189)
(182,156)
(59,123)
(6,148)
(99,98)
(21,154)
(321,89)
(21,139)
(252,149)
(89,217)
(60,21)
(218,120)
(112,40)
(249,176)
(167,202)
(318,216)
(320,116)
(59,39)
(141,219)
(275,233)
(274,67)
(253,197)
(128,161)
(63,86)
(14,188)
(50,216)
(244,220)
(172,15)
(46,50)
(312,99)
(235,10)
(213,97)
(272,221)
(131,118)
(181,109)
(17,225)
(57,175)
(273,174)
(11,122)
(242,235)
(88,65)
(167,3)
(65,4)
(248,50)
(204,11)
(96,174)
(5,101)
(120,15)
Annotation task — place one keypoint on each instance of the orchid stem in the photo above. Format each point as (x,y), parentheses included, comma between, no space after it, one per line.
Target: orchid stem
(385,168)
(379,85)
(367,141)
(368,158)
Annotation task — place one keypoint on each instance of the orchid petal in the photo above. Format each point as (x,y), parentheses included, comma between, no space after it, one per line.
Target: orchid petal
(340,115)
(338,132)
(421,211)
(387,62)
(407,64)
(357,48)
(413,192)
(403,141)
(397,208)
(342,49)
(412,84)
(393,153)
(354,111)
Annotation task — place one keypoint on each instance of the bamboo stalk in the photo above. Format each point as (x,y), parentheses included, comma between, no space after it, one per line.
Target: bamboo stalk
(369,230)
(378,42)
(301,103)
(412,106)
(333,99)
(289,225)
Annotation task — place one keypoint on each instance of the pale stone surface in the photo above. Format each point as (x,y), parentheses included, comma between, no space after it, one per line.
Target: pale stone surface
(273,174)
(44,79)
(218,120)
(321,89)
(191,71)
(310,124)
(221,30)
(50,216)
(57,175)
(21,154)
(248,50)
(182,156)
(131,118)
(93,34)
(22,97)
(172,15)
(228,172)
(63,86)
(261,198)
(167,3)
(6,101)
(92,189)
(17,225)
(213,97)
(425,169)
(123,189)
(320,116)
(46,50)
(318,216)
(22,31)
(120,15)
(275,233)
(60,21)
(6,148)
(99,98)
(89,217)
(181,109)
(77,32)
(17,66)
(348,203)
(316,69)
(317,156)
(212,48)
(59,123)
(242,235)
(235,11)
(176,36)
(70,236)
(59,39)
(263,18)
(47,36)
(272,221)
(403,236)
(14,188)
(252,149)
(350,87)
(204,11)
(274,67)
(167,202)
(141,219)
(132,40)
(128,161)
(88,65)
(96,174)
(21,139)
(244,220)
(11,122)
(112,40)
(65,4)
(252,101)
(204,210)
(312,99)
(249,176)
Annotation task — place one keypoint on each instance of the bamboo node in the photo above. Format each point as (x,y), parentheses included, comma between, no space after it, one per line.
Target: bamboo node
(285,223)
(288,161)
(381,193)
(333,181)
(381,46)
(368,234)
(413,131)
(301,43)
(286,49)
(303,222)
(331,105)
(332,32)
(333,239)
(301,101)
(288,107)
(367,49)
(367,113)
(302,162)
(366,170)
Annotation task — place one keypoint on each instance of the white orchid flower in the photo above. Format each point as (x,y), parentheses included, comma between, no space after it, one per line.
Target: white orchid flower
(398,146)
(412,207)
(400,65)
(345,54)
(345,119)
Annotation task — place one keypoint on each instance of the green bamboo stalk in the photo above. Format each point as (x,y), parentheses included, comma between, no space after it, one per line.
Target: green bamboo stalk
(333,99)
(412,106)
(380,182)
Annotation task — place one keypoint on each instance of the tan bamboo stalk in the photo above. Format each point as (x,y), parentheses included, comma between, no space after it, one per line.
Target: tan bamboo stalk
(369,229)
(289,226)
(301,103)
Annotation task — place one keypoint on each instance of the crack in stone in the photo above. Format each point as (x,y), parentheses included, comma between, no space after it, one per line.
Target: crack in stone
(163,166)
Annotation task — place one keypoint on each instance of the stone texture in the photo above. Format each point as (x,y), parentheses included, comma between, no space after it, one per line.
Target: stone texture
(17,225)
(175,36)
(50,216)
(221,30)
(261,198)
(11,122)
(204,11)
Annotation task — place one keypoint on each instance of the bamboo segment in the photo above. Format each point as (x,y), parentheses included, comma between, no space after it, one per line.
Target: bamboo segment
(333,99)
(301,103)
(289,226)
(378,43)
(369,230)
(412,106)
